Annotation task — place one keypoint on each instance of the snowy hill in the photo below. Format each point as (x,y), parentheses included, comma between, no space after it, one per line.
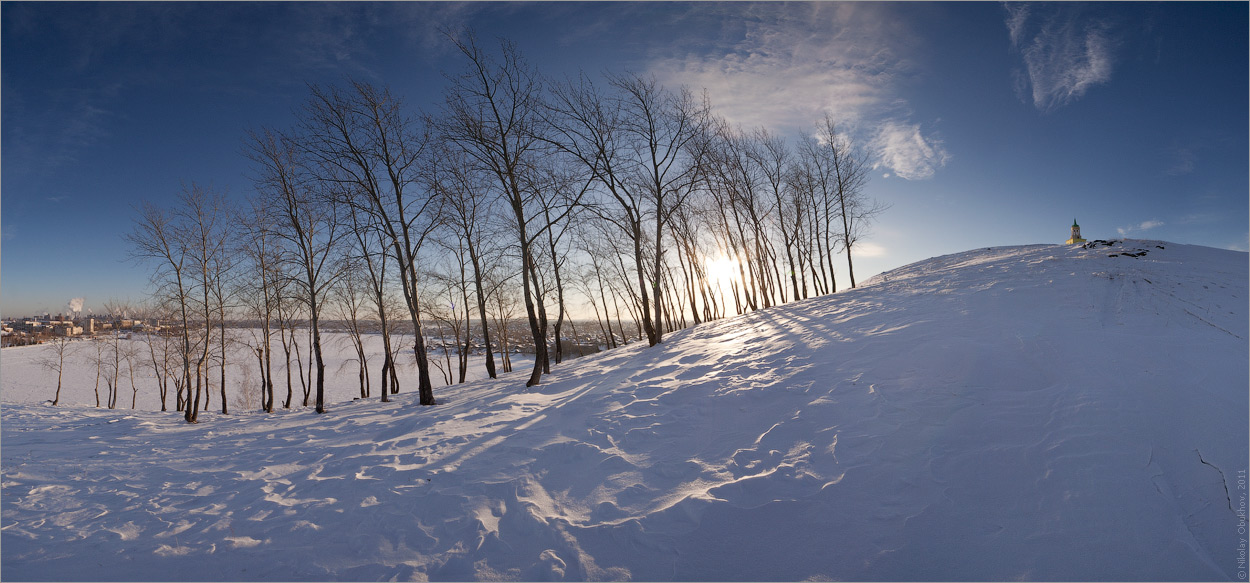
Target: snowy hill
(1040,412)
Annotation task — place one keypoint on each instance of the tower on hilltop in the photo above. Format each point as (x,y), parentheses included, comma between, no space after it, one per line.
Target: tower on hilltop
(1076,235)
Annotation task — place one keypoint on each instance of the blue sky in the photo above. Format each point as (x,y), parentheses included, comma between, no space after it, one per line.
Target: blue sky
(989,124)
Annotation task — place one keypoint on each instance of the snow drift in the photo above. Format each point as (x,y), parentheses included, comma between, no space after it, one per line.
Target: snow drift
(1038,412)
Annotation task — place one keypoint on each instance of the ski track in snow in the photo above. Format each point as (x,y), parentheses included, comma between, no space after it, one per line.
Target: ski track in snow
(1035,412)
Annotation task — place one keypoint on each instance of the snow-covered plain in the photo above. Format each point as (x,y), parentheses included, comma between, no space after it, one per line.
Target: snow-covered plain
(24,379)
(1039,412)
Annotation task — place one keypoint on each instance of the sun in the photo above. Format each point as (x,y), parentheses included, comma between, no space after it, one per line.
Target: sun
(721,270)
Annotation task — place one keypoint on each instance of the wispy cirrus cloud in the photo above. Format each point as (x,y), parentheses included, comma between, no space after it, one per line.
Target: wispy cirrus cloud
(1143,226)
(1065,52)
(791,64)
(870,249)
(908,151)
(1180,160)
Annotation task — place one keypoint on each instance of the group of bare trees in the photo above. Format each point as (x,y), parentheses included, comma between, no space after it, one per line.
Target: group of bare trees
(608,195)
(189,248)
(783,214)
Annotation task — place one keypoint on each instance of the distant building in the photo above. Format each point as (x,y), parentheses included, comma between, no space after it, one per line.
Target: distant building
(1076,235)
(66,329)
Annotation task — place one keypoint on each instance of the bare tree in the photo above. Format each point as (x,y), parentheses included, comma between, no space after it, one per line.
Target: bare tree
(307,223)
(803,184)
(736,187)
(204,219)
(260,290)
(447,306)
(350,299)
(598,250)
(162,347)
(501,289)
(287,320)
(466,213)
(53,359)
(560,194)
(372,155)
(99,358)
(641,145)
(223,291)
(131,357)
(372,255)
(115,354)
(162,238)
(491,113)
(850,172)
(815,177)
(689,234)
(774,159)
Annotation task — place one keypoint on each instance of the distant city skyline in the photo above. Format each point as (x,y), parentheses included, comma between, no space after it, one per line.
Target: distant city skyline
(988,124)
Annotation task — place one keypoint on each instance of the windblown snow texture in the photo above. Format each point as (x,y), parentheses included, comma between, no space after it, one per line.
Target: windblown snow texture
(1040,412)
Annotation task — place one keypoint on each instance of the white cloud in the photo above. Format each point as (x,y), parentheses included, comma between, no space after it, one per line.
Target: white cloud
(1017,15)
(1201,218)
(868,249)
(796,63)
(1143,226)
(1065,53)
(905,149)
(787,70)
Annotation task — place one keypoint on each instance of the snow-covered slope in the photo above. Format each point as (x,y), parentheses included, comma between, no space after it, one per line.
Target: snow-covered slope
(1040,412)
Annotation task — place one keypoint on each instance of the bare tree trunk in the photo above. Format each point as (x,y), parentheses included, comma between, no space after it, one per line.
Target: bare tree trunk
(468,325)
(299,362)
(97,376)
(286,350)
(481,310)
(385,374)
(260,364)
(321,365)
(607,342)
(224,409)
(610,339)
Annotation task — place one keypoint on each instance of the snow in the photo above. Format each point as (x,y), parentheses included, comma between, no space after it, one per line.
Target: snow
(25,380)
(1039,412)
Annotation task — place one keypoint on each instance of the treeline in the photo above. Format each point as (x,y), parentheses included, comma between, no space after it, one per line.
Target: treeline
(517,191)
